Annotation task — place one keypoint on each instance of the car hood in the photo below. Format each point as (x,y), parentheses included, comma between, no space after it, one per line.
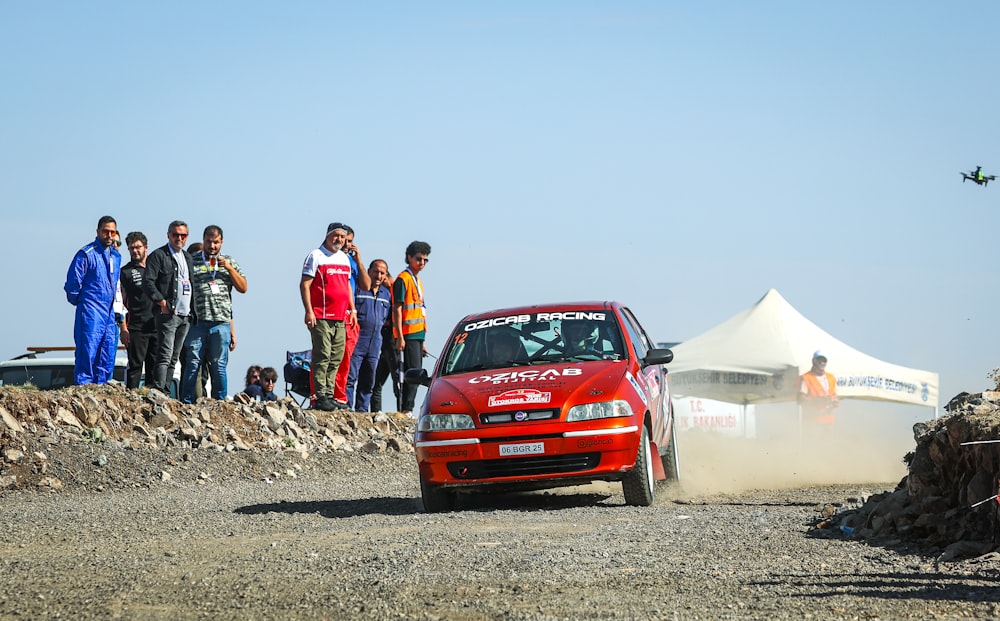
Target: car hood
(527,387)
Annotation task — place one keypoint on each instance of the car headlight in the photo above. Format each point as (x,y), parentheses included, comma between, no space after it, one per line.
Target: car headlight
(604,409)
(445,422)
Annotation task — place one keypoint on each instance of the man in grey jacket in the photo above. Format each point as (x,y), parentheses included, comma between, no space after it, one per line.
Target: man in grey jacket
(168,284)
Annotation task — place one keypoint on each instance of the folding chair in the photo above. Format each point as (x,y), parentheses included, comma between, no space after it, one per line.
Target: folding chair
(296,374)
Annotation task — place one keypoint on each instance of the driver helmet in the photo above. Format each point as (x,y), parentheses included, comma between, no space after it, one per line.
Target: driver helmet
(504,344)
(581,334)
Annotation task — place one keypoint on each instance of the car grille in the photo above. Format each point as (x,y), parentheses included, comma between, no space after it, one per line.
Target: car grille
(524,466)
(527,416)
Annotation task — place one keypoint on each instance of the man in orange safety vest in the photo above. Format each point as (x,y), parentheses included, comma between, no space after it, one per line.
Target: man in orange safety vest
(818,393)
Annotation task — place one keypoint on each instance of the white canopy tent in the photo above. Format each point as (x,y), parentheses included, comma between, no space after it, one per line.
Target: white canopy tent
(757,355)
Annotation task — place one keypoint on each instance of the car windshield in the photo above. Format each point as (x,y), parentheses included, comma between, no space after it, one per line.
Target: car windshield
(534,338)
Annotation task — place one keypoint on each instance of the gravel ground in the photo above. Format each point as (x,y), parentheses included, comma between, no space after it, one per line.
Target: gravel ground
(334,536)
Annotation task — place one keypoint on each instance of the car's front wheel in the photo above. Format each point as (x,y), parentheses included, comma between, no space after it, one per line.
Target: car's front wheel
(638,483)
(435,498)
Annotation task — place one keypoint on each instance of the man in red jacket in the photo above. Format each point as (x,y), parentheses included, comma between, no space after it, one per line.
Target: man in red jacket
(328,300)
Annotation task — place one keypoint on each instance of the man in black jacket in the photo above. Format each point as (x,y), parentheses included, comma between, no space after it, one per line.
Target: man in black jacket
(168,284)
(138,331)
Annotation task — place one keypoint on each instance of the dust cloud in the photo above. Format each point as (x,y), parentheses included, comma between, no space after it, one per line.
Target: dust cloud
(866,445)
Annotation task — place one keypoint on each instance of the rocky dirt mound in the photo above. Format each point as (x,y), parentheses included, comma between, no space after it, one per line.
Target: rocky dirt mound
(107,436)
(949,498)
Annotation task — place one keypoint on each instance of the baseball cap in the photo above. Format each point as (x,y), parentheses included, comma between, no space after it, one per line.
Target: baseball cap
(819,354)
(334,226)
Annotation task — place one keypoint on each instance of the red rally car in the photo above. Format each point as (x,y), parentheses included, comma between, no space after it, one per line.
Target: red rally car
(545,396)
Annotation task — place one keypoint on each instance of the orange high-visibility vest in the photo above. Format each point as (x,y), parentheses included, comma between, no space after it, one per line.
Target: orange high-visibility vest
(823,413)
(413,305)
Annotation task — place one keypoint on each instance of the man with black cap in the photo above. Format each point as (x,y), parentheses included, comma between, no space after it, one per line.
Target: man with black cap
(329,304)
(818,393)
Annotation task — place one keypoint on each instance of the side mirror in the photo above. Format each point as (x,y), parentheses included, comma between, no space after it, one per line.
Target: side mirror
(655,356)
(417,376)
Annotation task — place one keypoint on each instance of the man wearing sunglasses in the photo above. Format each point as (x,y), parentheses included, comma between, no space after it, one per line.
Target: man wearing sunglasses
(409,317)
(90,286)
(168,285)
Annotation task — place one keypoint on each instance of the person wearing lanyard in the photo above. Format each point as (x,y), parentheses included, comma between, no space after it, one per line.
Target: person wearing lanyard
(409,317)
(168,285)
(213,278)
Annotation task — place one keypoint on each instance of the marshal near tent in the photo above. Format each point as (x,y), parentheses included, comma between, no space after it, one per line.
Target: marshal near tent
(757,356)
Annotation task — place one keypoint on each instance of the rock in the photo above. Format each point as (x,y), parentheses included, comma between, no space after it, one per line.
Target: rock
(9,421)
(162,417)
(964,549)
(156,397)
(274,416)
(13,455)
(51,483)
(66,417)
(239,444)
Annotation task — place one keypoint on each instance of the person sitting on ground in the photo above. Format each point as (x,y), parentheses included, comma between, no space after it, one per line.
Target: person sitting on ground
(253,376)
(264,391)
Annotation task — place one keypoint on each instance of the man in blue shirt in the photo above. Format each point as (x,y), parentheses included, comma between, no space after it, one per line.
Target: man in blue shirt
(90,286)
(373,307)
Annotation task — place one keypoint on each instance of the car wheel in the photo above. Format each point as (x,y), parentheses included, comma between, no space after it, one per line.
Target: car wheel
(435,498)
(638,483)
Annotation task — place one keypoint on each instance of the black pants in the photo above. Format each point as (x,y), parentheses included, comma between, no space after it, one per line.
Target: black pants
(413,358)
(141,353)
(388,364)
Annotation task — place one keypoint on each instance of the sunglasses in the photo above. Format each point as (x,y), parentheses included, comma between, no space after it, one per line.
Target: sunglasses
(179,235)
(268,381)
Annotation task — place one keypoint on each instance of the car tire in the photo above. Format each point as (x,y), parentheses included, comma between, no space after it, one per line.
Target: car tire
(435,498)
(638,482)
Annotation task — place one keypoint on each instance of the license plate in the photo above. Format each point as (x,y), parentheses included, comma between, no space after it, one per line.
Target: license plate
(530,448)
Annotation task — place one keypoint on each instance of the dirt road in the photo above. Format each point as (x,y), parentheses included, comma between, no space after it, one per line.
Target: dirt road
(344,538)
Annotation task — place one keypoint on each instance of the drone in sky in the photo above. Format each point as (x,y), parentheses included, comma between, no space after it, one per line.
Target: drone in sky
(978,177)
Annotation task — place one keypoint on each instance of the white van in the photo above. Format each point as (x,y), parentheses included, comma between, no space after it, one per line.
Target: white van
(49,368)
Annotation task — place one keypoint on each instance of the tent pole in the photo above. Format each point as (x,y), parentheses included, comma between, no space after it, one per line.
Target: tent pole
(799,407)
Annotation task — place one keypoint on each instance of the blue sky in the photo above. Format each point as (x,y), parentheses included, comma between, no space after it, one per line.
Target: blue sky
(680,157)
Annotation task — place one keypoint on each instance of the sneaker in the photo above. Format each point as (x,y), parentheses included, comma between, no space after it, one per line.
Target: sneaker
(340,405)
(324,403)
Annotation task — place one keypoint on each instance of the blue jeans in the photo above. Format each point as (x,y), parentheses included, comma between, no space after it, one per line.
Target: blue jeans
(208,341)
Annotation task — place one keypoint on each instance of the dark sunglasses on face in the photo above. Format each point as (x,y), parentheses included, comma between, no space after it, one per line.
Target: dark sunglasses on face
(268,380)
(179,235)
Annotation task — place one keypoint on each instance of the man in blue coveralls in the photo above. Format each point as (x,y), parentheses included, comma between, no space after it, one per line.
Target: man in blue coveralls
(373,307)
(90,286)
